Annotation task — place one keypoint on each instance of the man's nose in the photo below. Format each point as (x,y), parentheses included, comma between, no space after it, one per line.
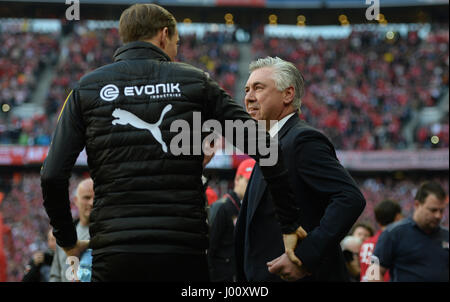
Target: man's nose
(249,97)
(439,215)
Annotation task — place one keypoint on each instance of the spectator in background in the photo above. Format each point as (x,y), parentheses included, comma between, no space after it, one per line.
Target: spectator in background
(362,231)
(5,231)
(386,212)
(350,248)
(38,270)
(415,249)
(211,195)
(223,216)
(84,200)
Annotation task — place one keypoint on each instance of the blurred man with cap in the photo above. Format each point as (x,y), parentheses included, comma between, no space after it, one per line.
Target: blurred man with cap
(223,216)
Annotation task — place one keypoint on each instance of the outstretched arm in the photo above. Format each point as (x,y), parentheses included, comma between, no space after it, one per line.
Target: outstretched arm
(67,143)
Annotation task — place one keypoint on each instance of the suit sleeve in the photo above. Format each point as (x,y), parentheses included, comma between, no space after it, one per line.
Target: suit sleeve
(320,170)
(220,106)
(67,143)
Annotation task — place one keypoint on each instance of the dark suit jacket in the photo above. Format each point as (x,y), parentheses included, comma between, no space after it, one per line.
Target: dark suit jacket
(329,201)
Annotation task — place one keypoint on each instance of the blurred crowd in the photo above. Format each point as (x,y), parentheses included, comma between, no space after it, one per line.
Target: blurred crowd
(425,133)
(362,90)
(22,210)
(401,189)
(23,56)
(35,131)
(83,51)
(216,54)
(24,213)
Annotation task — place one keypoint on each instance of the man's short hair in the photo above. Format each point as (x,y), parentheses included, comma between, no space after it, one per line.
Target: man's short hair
(143,21)
(430,187)
(386,211)
(285,75)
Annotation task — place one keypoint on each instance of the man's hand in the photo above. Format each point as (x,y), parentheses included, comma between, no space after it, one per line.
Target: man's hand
(286,269)
(290,243)
(77,249)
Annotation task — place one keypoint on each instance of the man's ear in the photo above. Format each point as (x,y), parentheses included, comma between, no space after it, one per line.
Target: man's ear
(163,36)
(288,95)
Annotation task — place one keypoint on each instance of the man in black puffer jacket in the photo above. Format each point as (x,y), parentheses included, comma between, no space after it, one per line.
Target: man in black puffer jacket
(148,220)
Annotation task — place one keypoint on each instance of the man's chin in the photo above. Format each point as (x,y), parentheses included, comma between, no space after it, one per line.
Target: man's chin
(254,116)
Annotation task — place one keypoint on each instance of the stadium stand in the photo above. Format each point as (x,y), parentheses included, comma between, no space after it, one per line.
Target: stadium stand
(362,90)
(23,212)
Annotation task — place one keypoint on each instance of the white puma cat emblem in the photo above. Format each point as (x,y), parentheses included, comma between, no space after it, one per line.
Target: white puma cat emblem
(124,117)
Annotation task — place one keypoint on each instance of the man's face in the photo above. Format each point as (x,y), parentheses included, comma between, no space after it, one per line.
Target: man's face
(85,199)
(428,215)
(172,45)
(263,100)
(362,233)
(240,185)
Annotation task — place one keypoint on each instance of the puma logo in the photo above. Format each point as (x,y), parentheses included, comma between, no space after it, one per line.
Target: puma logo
(124,117)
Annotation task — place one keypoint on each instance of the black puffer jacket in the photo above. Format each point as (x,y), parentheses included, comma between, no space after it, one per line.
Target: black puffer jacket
(147,199)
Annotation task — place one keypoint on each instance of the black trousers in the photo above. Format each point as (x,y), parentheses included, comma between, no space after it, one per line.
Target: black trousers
(149,267)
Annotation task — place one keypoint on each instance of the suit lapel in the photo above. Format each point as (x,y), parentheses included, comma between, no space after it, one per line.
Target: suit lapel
(258,185)
(291,122)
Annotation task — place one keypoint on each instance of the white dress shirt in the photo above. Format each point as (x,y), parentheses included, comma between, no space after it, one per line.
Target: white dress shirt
(278,125)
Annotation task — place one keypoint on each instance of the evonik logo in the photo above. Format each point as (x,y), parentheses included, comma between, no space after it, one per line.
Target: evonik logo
(109,93)
(155,91)
(167,90)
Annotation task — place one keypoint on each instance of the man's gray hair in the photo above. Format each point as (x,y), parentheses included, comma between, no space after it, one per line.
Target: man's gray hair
(285,75)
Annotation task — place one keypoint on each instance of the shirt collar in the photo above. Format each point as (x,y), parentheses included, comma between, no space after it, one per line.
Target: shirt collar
(278,125)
